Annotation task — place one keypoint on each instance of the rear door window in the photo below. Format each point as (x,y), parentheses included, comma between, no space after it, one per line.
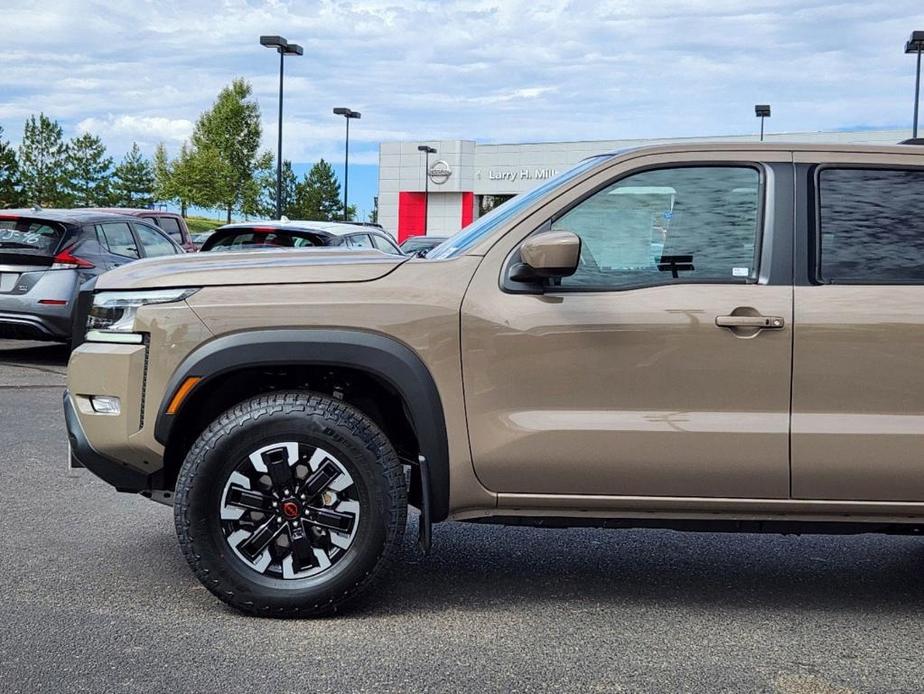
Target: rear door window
(172,227)
(119,238)
(90,241)
(25,237)
(154,242)
(871,224)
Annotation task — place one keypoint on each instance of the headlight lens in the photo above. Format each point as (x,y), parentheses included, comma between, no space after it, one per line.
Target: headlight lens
(115,311)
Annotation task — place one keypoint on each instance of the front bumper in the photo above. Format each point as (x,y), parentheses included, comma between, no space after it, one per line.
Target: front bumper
(119,475)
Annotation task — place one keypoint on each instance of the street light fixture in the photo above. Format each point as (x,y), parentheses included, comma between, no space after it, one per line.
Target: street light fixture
(916,45)
(284,48)
(762,111)
(427,150)
(347,115)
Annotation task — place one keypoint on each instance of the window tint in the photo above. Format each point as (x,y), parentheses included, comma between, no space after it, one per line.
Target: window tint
(172,227)
(154,242)
(246,240)
(359,241)
(872,225)
(22,236)
(119,239)
(384,244)
(667,226)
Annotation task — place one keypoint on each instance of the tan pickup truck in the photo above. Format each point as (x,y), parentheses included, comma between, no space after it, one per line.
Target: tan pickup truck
(704,337)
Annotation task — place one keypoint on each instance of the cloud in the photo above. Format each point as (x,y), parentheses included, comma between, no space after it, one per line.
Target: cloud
(147,130)
(490,70)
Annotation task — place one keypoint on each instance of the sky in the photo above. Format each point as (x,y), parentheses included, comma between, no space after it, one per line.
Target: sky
(487,70)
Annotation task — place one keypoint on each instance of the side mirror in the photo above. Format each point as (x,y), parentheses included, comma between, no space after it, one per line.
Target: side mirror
(546,255)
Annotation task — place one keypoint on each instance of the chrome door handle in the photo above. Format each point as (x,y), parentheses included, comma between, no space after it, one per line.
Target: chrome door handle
(760,322)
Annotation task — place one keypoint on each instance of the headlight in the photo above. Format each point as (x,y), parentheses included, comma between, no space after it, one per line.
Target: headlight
(112,315)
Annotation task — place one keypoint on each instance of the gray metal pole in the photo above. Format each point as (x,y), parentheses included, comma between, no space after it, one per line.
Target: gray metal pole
(346,173)
(279,145)
(426,192)
(917,96)
(761,128)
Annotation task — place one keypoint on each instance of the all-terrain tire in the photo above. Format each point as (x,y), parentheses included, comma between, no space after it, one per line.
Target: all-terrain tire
(361,448)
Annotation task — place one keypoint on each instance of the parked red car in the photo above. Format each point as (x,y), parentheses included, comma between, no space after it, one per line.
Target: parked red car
(172,223)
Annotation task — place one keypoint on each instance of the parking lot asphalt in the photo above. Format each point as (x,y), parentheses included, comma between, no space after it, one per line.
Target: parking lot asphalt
(95,596)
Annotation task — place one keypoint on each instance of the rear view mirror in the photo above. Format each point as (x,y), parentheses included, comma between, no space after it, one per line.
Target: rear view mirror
(547,255)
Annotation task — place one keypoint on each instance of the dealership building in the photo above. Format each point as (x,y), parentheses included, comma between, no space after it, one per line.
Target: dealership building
(466,179)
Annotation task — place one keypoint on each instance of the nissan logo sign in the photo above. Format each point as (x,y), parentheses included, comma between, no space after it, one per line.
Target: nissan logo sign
(440,172)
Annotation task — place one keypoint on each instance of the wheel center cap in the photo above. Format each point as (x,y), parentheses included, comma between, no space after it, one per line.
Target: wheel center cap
(289,509)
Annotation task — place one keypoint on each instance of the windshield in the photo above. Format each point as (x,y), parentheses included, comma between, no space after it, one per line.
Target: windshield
(481,227)
(245,239)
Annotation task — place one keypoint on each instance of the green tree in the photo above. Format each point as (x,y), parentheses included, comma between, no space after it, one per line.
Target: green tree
(196,178)
(374,212)
(317,195)
(231,130)
(133,180)
(42,163)
(161,164)
(88,171)
(289,189)
(10,184)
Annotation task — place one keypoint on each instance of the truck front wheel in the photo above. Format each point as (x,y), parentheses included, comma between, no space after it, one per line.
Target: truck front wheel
(290,504)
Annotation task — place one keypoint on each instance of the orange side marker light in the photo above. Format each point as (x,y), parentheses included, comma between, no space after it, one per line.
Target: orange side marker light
(181,393)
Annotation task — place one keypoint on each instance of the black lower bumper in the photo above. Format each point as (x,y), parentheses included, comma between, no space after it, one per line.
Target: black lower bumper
(119,475)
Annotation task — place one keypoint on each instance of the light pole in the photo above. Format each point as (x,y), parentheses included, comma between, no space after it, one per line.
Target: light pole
(347,115)
(762,111)
(427,150)
(284,48)
(915,45)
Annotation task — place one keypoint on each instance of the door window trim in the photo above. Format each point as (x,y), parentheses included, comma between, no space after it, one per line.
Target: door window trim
(764,218)
(814,241)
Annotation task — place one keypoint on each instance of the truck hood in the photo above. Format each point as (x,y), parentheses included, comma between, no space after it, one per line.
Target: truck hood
(310,265)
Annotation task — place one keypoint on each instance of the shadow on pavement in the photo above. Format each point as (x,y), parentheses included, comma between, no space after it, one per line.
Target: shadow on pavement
(475,568)
(33,353)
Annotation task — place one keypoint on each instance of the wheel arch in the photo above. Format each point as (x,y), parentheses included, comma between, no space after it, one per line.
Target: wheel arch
(382,358)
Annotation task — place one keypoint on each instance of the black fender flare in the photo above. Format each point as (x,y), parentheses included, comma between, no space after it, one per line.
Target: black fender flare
(376,354)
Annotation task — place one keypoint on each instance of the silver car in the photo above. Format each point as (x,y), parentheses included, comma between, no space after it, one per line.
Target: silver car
(46,255)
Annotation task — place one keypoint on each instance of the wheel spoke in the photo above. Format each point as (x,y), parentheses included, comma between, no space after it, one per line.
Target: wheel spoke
(249,499)
(277,465)
(302,551)
(331,520)
(325,474)
(260,538)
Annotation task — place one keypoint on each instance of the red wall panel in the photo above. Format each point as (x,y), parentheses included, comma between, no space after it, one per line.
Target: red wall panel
(411,210)
(468,208)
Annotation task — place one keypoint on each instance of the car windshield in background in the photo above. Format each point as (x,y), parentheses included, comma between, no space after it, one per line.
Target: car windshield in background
(256,239)
(28,237)
(481,227)
(416,243)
